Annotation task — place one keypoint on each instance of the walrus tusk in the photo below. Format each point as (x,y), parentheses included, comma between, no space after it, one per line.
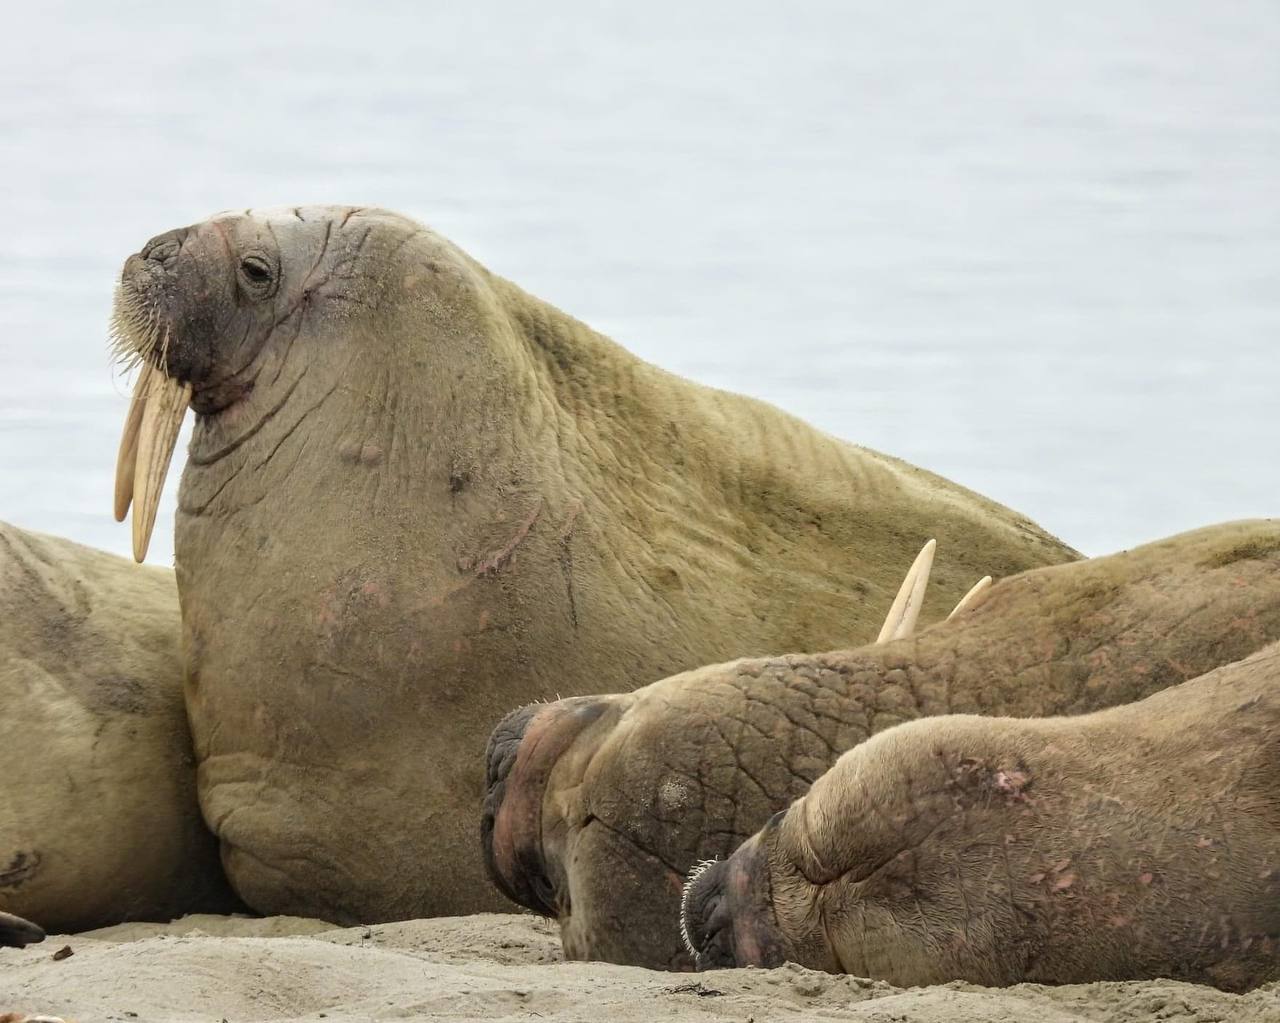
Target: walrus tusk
(905,611)
(127,458)
(969,598)
(163,410)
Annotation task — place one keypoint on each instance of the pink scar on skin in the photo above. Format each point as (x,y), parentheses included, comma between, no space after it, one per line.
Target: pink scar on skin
(1011,783)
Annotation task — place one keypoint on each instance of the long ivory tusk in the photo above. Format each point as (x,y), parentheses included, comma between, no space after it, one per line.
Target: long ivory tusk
(127,458)
(162,416)
(905,611)
(971,597)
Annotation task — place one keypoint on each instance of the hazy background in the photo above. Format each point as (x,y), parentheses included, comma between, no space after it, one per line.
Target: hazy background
(1034,247)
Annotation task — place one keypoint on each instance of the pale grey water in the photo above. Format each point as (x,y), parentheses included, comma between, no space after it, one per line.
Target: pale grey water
(1034,247)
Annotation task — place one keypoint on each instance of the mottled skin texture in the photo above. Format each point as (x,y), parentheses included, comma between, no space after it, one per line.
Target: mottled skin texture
(1138,842)
(598,807)
(98,817)
(417,496)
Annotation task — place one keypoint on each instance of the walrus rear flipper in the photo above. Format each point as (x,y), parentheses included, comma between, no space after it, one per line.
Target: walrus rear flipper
(16,932)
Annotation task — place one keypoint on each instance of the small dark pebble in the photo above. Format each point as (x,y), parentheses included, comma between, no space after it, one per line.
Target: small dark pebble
(699,989)
(63,953)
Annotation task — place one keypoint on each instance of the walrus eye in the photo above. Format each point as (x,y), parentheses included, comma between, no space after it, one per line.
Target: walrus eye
(256,270)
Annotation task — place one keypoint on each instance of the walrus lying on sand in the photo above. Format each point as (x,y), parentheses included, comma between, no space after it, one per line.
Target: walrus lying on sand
(598,806)
(416,495)
(1137,842)
(98,818)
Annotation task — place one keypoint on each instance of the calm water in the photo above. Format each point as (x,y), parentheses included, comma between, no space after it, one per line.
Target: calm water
(1033,247)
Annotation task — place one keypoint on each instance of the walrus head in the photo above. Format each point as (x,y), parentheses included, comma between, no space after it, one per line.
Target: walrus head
(194,307)
(210,312)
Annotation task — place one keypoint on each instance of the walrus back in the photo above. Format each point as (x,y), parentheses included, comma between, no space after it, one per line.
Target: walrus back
(713,477)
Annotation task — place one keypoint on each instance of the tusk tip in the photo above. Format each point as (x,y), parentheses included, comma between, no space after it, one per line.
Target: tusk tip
(971,598)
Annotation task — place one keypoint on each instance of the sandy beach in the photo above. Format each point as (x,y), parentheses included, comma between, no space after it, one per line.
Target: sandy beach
(499,967)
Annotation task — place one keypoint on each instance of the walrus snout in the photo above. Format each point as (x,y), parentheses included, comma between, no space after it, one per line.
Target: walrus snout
(175,303)
(15,932)
(726,916)
(521,754)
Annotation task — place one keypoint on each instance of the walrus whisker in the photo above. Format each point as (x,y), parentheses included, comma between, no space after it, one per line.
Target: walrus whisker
(979,588)
(905,611)
(132,331)
(699,868)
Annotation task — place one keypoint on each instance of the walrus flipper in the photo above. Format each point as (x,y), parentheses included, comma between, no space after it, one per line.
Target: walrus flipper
(16,932)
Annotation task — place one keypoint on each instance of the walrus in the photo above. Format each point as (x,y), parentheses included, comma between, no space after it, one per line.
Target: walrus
(1137,842)
(416,496)
(598,806)
(99,822)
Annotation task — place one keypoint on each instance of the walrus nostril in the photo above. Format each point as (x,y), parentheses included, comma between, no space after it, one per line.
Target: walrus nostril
(164,247)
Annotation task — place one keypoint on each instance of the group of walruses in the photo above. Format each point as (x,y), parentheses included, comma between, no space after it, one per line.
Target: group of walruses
(416,497)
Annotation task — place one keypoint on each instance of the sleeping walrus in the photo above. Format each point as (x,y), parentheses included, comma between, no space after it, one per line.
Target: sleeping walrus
(598,806)
(1137,842)
(98,815)
(416,496)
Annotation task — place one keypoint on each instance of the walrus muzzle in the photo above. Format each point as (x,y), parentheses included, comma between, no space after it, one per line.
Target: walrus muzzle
(174,306)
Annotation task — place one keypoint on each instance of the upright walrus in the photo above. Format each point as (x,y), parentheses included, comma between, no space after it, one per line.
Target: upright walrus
(598,806)
(98,814)
(1138,842)
(416,496)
